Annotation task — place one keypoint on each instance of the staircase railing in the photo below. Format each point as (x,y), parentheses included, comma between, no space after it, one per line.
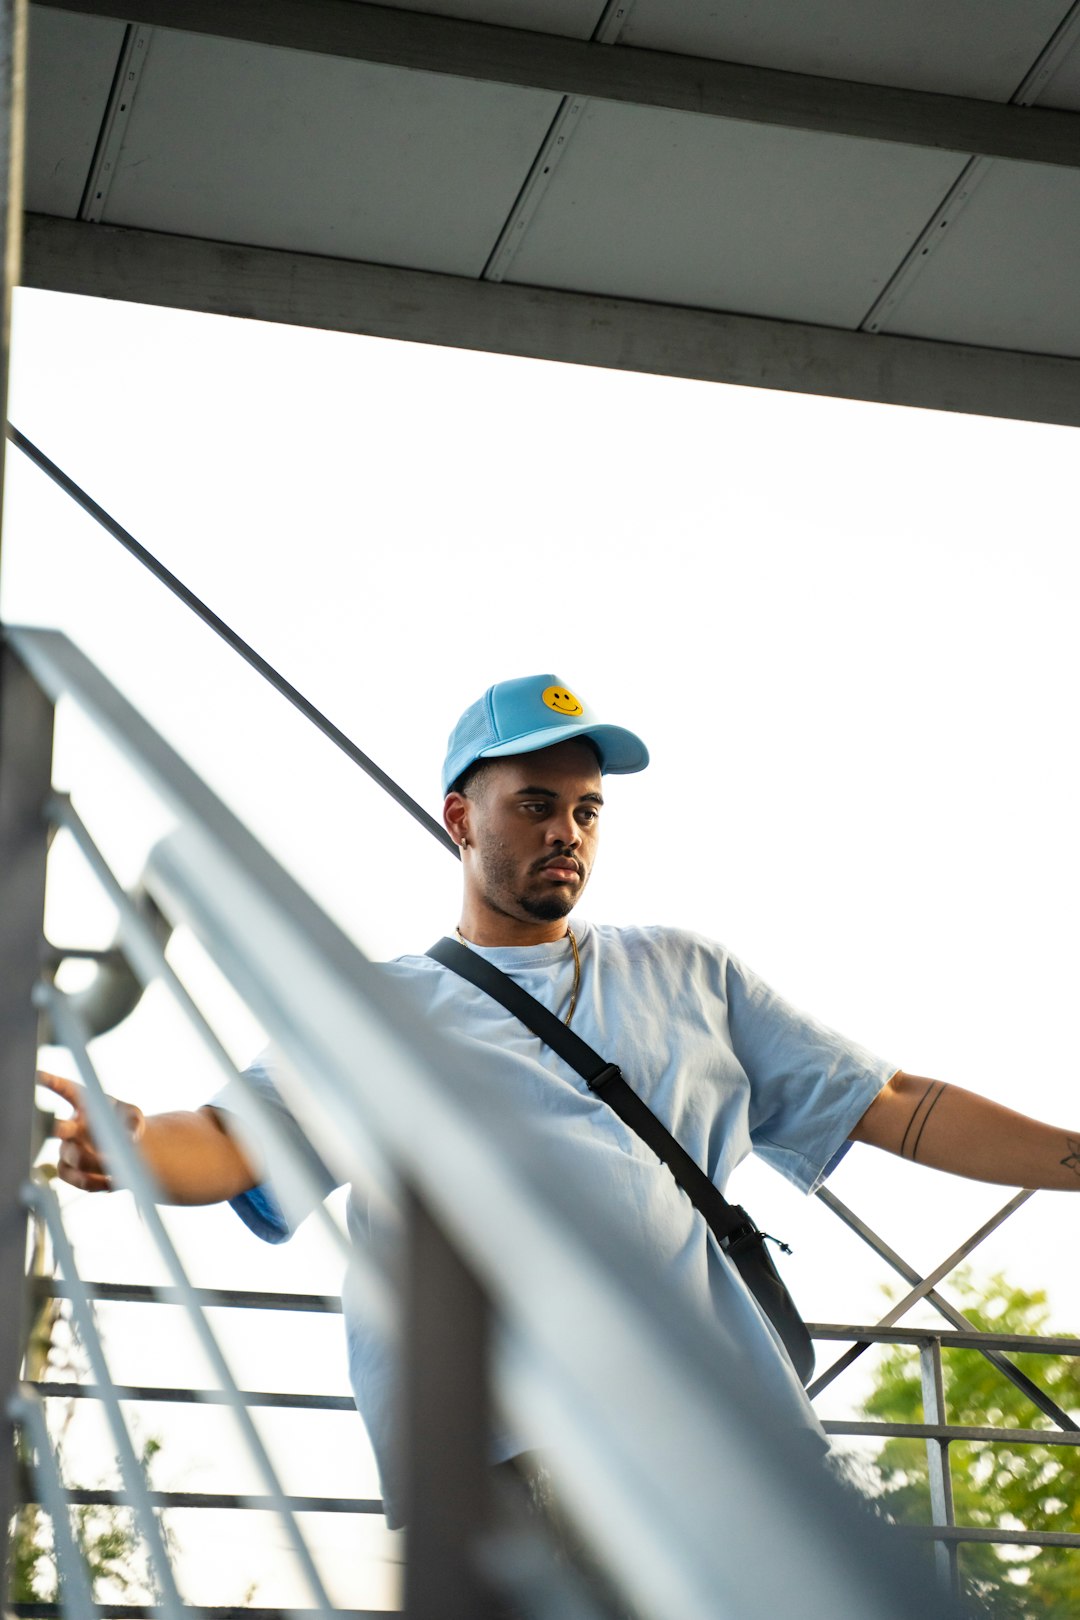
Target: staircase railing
(694,1498)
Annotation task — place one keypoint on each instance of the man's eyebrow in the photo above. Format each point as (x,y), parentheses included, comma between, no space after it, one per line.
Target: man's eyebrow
(550,793)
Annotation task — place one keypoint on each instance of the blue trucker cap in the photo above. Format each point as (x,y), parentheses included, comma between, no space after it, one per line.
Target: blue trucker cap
(518,717)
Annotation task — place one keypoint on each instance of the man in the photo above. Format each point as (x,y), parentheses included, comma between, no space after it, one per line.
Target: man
(725,1062)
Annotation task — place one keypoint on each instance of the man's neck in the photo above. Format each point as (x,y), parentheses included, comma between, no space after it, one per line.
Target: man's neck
(482,926)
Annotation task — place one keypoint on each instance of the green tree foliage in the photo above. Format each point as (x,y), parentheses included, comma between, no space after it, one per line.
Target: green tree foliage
(1001,1485)
(106,1537)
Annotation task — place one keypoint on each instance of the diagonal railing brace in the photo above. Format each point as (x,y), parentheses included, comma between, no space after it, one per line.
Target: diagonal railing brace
(244,648)
(1027,1386)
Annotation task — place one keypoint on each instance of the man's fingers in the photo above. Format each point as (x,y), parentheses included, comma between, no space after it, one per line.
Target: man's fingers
(80,1163)
(130,1116)
(85,1180)
(69,1090)
(81,1156)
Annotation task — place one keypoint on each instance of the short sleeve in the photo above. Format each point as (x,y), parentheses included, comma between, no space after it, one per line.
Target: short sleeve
(296,1179)
(809,1086)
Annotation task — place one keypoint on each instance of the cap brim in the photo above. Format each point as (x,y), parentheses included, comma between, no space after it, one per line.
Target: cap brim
(621,753)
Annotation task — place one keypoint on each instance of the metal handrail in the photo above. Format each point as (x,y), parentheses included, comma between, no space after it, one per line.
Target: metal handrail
(253,1299)
(966,1338)
(582,1336)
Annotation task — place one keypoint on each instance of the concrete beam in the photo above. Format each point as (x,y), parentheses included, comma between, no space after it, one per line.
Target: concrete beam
(419,307)
(621,73)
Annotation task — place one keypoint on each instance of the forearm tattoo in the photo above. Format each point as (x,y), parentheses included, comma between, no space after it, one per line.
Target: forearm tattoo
(1071,1161)
(921,1113)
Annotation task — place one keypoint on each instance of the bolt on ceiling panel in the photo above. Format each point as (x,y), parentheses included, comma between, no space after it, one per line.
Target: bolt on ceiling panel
(1005,273)
(574,18)
(70,68)
(957,47)
(676,208)
(286,149)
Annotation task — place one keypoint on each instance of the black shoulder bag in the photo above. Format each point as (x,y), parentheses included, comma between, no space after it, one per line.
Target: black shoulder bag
(732,1227)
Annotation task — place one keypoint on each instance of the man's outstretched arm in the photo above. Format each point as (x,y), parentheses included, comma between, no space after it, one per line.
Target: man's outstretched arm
(190,1155)
(949,1128)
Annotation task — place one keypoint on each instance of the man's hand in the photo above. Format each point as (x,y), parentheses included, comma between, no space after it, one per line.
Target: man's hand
(81,1163)
(191,1157)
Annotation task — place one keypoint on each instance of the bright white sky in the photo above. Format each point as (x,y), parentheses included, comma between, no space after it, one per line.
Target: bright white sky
(846,632)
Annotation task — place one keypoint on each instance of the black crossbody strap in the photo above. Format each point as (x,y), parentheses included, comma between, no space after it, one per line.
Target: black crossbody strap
(728,1222)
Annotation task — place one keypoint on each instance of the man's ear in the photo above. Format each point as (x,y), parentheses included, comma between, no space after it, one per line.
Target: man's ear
(455,816)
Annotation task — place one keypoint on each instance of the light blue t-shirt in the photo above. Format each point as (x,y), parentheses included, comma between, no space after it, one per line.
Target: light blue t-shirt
(724,1062)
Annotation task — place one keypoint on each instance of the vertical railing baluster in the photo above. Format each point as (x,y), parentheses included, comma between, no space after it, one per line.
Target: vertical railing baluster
(12,148)
(131,1171)
(25,763)
(446,1425)
(937,1456)
(75,1584)
(168,1604)
(26,733)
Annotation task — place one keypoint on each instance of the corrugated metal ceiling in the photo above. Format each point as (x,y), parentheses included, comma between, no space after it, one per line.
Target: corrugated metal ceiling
(812,232)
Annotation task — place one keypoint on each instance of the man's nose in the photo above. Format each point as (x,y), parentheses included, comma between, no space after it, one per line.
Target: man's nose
(564,831)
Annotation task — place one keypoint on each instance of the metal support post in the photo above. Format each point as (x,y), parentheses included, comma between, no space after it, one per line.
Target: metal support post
(937,1456)
(26,731)
(446,1425)
(12,126)
(25,767)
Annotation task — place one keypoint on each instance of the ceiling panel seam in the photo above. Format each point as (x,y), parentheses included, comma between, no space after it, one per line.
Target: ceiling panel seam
(535,184)
(552,150)
(1049,59)
(960,193)
(632,75)
(130,64)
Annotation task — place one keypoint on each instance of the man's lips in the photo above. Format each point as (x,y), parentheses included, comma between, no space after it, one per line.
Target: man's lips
(561,867)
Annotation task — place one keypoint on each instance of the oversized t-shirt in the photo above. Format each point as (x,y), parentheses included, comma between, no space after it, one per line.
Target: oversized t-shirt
(720,1058)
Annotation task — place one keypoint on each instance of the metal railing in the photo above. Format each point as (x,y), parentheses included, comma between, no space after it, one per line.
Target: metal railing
(668,1457)
(935,1430)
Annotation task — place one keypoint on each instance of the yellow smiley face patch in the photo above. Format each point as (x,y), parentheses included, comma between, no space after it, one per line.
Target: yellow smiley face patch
(562,700)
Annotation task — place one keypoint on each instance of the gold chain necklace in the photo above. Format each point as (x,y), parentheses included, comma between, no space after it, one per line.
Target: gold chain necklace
(577,969)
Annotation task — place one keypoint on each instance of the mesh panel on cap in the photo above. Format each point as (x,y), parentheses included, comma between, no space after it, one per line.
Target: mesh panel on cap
(472,733)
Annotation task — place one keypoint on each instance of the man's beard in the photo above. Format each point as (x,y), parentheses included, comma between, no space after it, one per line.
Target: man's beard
(498,879)
(550,908)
